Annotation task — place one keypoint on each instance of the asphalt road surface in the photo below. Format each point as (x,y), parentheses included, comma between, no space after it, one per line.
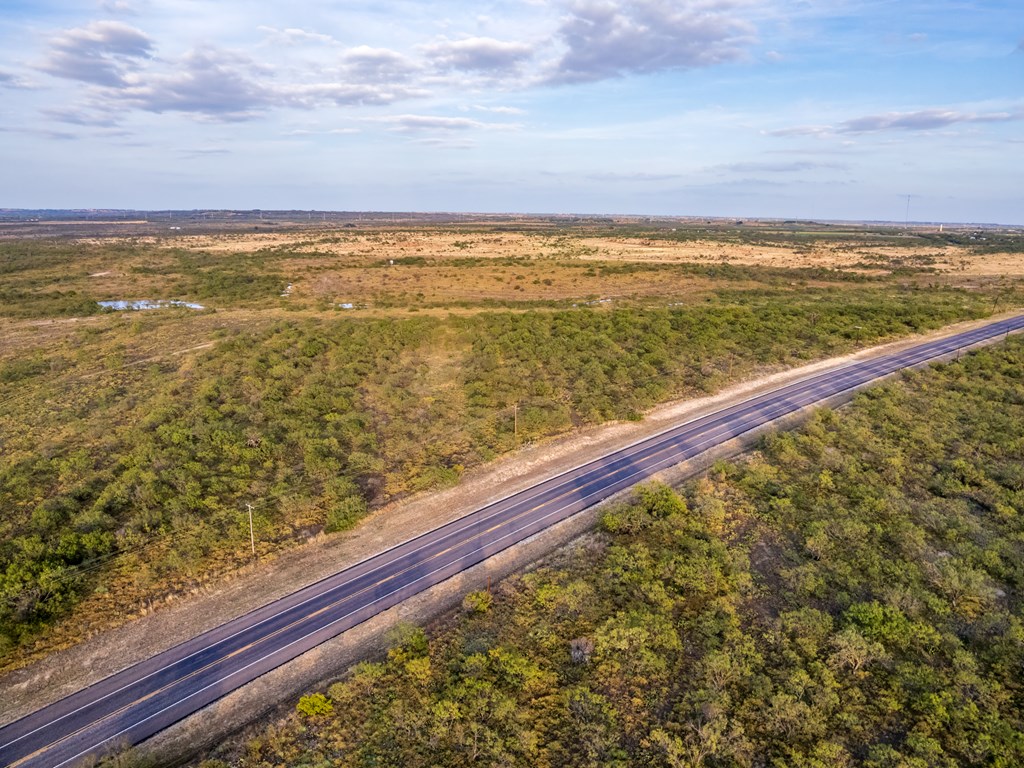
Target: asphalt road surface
(134,704)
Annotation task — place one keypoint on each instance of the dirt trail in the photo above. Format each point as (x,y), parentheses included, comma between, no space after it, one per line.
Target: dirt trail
(66,671)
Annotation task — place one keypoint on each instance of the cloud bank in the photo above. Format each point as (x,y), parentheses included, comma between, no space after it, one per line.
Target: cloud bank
(920,120)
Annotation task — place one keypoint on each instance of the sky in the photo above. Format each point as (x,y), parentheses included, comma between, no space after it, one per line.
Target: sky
(823,109)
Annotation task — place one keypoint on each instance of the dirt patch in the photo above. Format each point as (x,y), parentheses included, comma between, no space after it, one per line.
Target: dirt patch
(865,257)
(496,281)
(378,244)
(861,254)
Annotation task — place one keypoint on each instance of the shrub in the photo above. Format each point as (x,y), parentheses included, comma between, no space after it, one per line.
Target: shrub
(315,705)
(345,513)
(477,602)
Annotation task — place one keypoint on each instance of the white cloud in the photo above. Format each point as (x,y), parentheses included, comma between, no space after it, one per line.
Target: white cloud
(49,134)
(920,120)
(478,54)
(292,36)
(302,67)
(439,123)
(206,81)
(412,123)
(204,152)
(500,110)
(312,95)
(634,177)
(801,130)
(377,65)
(11,80)
(76,116)
(442,143)
(329,132)
(610,39)
(118,7)
(102,53)
(223,85)
(788,167)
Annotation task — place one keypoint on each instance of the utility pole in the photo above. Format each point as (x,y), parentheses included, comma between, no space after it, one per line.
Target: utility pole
(252,536)
(515,420)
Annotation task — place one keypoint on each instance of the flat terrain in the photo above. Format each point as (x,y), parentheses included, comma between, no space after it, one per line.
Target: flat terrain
(338,369)
(145,699)
(865,252)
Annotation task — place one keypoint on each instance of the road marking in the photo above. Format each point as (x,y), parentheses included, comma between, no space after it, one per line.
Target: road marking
(782,401)
(463,524)
(537,490)
(787,406)
(780,408)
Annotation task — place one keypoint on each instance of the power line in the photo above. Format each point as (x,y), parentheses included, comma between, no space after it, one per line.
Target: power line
(296,486)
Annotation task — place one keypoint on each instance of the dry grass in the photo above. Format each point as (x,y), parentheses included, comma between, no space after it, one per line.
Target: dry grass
(842,253)
(439,267)
(101,372)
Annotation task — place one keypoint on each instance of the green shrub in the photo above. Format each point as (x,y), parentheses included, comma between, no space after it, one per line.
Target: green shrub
(477,602)
(345,513)
(315,705)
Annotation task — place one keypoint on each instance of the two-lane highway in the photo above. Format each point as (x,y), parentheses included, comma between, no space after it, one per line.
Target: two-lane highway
(138,702)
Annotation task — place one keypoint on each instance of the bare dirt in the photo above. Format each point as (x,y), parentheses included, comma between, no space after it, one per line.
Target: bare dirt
(396,271)
(865,256)
(862,254)
(103,654)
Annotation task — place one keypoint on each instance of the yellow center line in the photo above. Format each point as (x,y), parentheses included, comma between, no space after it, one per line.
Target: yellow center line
(379,582)
(807,385)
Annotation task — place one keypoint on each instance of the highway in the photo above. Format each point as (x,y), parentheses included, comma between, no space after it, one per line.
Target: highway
(134,704)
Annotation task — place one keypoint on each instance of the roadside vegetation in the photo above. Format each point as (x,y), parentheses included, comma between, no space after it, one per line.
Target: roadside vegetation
(851,594)
(132,442)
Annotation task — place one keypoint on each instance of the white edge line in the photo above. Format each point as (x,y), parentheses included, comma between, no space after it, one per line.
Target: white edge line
(647,471)
(803,381)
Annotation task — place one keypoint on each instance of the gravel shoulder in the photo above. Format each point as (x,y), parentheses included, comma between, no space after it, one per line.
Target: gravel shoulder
(64,672)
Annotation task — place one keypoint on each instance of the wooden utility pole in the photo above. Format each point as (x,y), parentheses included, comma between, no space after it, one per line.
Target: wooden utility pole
(252,536)
(515,420)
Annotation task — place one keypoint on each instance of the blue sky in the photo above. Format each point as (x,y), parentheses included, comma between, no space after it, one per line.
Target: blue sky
(833,109)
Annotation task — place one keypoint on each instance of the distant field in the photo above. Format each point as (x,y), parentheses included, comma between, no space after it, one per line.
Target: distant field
(333,371)
(969,251)
(431,268)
